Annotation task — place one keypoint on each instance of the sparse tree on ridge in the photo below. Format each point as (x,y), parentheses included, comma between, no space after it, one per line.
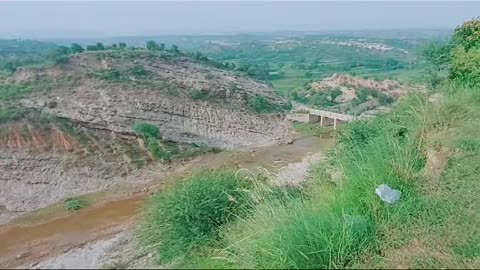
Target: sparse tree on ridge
(152,46)
(174,49)
(76,48)
(100,46)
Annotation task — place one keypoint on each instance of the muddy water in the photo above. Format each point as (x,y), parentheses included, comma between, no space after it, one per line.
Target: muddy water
(25,244)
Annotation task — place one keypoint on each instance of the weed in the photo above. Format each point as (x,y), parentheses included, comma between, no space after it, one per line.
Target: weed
(74,204)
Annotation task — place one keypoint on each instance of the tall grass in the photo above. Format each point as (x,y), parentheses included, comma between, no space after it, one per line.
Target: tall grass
(338,226)
(188,215)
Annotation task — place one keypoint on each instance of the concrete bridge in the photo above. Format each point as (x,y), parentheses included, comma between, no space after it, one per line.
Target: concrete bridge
(325,118)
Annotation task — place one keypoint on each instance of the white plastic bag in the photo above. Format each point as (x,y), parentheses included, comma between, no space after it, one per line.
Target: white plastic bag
(388,194)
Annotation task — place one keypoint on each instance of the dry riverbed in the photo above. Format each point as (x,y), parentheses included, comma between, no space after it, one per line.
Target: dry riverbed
(101,234)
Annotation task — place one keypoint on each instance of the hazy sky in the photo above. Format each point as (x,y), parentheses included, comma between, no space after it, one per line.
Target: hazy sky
(38,19)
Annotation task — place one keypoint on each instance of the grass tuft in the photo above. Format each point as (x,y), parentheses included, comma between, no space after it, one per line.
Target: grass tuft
(189,215)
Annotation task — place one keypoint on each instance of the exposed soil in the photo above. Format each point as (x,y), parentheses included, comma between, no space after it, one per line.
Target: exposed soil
(25,243)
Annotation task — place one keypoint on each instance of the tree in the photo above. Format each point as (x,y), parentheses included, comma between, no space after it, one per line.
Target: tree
(122,45)
(114,46)
(76,48)
(174,49)
(92,48)
(59,55)
(139,70)
(162,46)
(200,56)
(468,34)
(63,50)
(10,67)
(438,54)
(100,46)
(152,46)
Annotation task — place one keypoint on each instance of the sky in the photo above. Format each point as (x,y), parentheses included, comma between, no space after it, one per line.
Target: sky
(65,19)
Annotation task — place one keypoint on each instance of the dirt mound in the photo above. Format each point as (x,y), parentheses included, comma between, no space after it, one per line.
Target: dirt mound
(352,95)
(352,83)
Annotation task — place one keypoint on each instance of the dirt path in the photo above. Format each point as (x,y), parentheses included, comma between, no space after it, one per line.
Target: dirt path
(27,245)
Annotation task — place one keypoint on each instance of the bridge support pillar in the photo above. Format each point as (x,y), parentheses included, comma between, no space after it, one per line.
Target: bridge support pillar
(334,123)
(321,121)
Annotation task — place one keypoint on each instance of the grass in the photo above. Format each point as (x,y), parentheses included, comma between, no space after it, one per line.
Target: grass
(13,91)
(312,129)
(166,150)
(189,215)
(314,233)
(74,204)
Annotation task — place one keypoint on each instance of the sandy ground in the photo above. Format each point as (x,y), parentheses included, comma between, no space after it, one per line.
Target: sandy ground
(296,173)
(117,252)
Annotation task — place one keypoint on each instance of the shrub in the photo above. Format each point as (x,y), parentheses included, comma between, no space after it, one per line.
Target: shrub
(139,70)
(364,93)
(74,204)
(150,135)
(198,94)
(146,130)
(110,75)
(468,34)
(189,214)
(466,65)
(76,48)
(324,98)
(261,105)
(152,46)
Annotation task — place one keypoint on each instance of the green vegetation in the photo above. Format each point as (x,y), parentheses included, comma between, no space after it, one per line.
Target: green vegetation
(153,46)
(11,92)
(289,66)
(346,224)
(426,148)
(139,70)
(110,75)
(364,94)
(150,135)
(312,129)
(165,150)
(199,95)
(260,104)
(461,55)
(74,204)
(190,214)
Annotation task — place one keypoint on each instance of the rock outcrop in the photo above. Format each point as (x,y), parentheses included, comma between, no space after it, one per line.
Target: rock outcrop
(163,96)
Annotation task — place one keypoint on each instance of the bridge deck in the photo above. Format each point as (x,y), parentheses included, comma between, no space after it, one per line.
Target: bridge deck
(333,115)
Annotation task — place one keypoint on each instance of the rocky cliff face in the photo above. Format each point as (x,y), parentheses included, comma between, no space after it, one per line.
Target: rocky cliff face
(32,180)
(179,119)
